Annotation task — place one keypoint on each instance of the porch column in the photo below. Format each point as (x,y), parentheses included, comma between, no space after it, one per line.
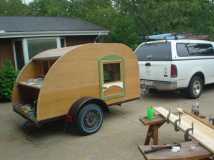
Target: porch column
(25,50)
(14,54)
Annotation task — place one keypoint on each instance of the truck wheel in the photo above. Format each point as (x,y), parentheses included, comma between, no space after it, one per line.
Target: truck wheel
(90,119)
(195,87)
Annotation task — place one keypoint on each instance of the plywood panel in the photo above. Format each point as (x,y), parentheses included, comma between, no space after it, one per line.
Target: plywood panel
(28,71)
(76,74)
(202,132)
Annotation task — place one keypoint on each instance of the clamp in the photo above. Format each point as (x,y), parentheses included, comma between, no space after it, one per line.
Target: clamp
(187,133)
(211,120)
(195,109)
(168,116)
(178,121)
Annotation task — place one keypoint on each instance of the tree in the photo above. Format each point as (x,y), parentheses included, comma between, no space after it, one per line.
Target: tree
(49,7)
(103,12)
(127,20)
(13,8)
(161,16)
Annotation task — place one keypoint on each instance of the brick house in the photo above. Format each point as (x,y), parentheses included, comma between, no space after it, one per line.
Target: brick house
(22,37)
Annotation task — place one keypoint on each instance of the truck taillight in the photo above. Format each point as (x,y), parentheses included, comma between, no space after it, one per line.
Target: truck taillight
(174,72)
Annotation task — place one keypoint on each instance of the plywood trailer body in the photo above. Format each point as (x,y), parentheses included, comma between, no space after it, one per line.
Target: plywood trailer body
(54,80)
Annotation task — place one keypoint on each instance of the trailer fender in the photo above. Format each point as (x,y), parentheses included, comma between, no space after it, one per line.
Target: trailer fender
(79,104)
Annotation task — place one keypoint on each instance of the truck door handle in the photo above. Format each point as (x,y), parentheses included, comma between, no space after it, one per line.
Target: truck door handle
(148,64)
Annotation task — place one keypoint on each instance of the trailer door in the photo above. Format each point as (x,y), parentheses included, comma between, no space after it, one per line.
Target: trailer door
(111,77)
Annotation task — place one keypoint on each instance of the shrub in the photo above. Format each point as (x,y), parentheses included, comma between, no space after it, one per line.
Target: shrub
(8,76)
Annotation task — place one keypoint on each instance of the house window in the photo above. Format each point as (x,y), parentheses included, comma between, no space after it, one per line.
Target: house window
(111,72)
(38,45)
(24,49)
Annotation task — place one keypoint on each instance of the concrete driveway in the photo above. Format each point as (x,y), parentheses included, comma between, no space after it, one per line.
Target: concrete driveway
(117,139)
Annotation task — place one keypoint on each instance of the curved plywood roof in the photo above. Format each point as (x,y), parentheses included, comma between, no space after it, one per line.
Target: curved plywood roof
(54,53)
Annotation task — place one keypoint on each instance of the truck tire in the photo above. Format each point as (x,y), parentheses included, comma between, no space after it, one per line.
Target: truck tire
(195,87)
(90,118)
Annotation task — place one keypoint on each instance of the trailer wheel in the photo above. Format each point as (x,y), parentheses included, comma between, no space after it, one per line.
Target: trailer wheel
(90,119)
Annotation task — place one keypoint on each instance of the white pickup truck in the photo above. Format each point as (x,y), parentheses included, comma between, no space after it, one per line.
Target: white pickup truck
(176,64)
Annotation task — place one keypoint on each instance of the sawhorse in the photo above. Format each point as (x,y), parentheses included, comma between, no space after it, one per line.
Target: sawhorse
(153,128)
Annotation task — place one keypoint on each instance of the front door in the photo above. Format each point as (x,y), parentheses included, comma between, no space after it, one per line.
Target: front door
(112,83)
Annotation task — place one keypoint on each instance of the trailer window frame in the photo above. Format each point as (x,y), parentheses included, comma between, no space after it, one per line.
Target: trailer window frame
(111,59)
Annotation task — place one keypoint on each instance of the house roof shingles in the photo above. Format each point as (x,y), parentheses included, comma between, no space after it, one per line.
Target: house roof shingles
(17,26)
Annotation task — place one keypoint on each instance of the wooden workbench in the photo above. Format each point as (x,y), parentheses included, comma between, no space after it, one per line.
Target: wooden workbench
(189,151)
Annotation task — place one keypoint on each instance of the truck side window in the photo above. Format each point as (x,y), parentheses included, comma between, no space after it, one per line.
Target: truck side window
(111,72)
(182,50)
(198,49)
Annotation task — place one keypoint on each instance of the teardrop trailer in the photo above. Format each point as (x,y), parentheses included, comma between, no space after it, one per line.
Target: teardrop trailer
(76,83)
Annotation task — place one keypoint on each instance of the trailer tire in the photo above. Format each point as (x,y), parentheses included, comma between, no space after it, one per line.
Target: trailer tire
(89,118)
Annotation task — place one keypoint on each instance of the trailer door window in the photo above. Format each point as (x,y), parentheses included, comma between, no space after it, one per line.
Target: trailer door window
(111,72)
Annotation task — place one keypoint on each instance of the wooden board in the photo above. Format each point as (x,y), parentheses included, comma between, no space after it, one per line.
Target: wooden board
(203,120)
(31,86)
(53,53)
(202,132)
(189,151)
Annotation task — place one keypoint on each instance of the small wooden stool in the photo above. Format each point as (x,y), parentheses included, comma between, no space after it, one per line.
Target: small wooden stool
(153,126)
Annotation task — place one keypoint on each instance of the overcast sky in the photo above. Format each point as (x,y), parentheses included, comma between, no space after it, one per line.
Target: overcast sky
(27,1)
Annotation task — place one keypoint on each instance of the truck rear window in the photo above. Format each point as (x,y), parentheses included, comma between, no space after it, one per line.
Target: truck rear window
(154,52)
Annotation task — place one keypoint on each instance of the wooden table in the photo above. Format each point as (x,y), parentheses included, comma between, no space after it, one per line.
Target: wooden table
(153,128)
(189,151)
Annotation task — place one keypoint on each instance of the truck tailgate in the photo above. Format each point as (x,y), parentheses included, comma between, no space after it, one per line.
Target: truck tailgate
(155,70)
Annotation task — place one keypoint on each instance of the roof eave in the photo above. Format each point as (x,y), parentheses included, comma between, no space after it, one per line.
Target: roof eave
(53,34)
